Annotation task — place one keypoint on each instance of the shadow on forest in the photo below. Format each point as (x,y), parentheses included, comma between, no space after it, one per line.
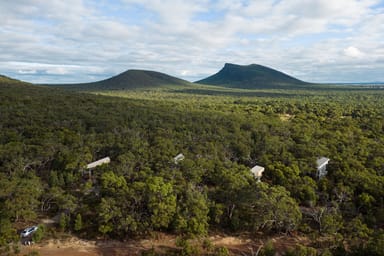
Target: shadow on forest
(275,92)
(236,93)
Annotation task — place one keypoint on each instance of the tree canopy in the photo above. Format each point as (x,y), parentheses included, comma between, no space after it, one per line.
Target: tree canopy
(48,136)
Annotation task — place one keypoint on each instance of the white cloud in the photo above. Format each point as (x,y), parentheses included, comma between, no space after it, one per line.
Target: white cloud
(79,39)
(352,52)
(27,71)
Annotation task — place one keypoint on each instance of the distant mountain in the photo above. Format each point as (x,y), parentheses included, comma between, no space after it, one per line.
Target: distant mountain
(132,79)
(252,77)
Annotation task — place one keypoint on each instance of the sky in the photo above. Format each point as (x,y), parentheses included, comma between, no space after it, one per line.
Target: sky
(73,41)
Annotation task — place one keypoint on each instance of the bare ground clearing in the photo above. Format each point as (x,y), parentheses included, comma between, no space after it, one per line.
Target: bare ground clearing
(78,247)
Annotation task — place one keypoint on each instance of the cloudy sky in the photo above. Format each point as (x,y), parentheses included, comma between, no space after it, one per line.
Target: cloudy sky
(57,41)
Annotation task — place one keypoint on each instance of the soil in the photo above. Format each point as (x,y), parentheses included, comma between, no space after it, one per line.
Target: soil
(78,247)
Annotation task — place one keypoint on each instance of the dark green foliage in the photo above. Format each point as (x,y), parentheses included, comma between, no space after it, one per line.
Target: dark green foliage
(161,202)
(374,246)
(192,212)
(7,232)
(265,208)
(48,136)
(20,195)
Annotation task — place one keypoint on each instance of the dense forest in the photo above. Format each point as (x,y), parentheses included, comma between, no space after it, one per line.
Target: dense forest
(48,136)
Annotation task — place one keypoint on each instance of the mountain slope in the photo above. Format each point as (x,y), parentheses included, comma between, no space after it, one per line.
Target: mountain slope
(251,77)
(132,79)
(6,81)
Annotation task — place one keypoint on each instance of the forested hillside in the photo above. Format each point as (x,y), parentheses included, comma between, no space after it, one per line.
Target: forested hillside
(48,136)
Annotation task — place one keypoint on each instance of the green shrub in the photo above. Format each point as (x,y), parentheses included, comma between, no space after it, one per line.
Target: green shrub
(268,249)
(187,249)
(64,221)
(150,252)
(33,253)
(78,222)
(208,245)
(222,251)
(301,250)
(39,234)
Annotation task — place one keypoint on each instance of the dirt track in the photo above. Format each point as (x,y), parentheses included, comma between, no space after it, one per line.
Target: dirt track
(78,247)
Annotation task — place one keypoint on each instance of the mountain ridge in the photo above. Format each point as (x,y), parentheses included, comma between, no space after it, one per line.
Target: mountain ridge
(131,79)
(253,76)
(231,76)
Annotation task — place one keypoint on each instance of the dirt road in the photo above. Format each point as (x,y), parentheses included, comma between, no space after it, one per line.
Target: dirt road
(78,247)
